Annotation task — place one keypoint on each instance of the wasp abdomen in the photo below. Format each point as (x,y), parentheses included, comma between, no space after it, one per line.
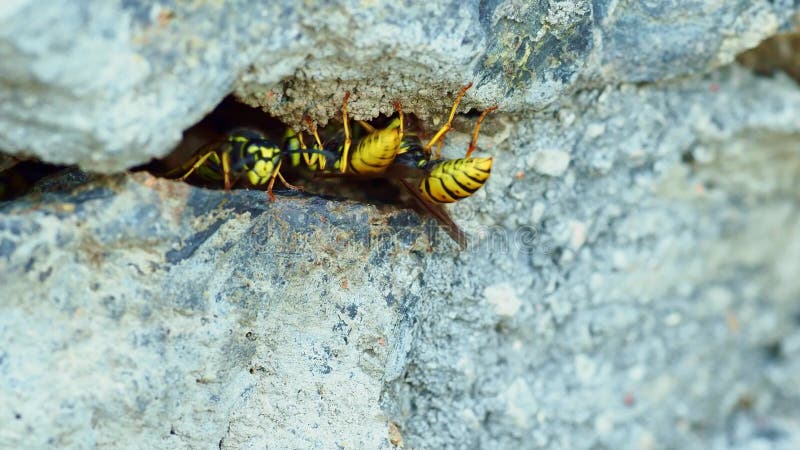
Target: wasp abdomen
(375,151)
(456,179)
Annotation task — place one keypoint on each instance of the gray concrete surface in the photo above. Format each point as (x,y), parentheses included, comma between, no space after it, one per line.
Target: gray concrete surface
(631,279)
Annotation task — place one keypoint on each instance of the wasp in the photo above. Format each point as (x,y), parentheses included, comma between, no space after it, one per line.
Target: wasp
(366,155)
(446,181)
(242,153)
(431,180)
(434,182)
(374,153)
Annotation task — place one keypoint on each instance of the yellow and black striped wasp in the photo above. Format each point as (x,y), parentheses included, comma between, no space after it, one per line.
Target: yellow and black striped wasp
(432,181)
(367,155)
(446,181)
(243,153)
(247,156)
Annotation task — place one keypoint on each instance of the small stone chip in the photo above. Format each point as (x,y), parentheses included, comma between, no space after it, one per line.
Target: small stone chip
(394,435)
(553,163)
(503,298)
(577,235)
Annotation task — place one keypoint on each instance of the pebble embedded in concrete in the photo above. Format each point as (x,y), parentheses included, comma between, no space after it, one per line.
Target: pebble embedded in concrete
(503,299)
(552,163)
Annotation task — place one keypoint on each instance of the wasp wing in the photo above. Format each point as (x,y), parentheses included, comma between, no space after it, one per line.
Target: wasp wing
(409,177)
(438,212)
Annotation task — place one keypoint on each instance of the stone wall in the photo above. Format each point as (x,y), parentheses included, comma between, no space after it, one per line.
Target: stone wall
(630,280)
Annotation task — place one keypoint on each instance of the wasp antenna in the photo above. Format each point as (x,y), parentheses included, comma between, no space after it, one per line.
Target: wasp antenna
(202,160)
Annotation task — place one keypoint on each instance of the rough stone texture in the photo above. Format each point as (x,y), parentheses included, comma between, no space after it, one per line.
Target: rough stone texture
(144,309)
(631,280)
(109,85)
(655,302)
(646,298)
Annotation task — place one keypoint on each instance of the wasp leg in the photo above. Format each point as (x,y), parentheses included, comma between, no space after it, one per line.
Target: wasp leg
(439,146)
(196,165)
(287,184)
(306,156)
(446,127)
(226,170)
(316,157)
(309,158)
(399,109)
(314,132)
(347,141)
(371,129)
(277,174)
(272,182)
(474,141)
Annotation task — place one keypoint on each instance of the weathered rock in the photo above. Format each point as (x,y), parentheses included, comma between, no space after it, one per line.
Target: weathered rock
(110,85)
(136,306)
(659,290)
(651,300)
(641,294)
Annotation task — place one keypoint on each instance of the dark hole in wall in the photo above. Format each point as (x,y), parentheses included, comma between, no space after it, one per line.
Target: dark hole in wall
(227,116)
(212,136)
(780,53)
(231,115)
(18,177)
